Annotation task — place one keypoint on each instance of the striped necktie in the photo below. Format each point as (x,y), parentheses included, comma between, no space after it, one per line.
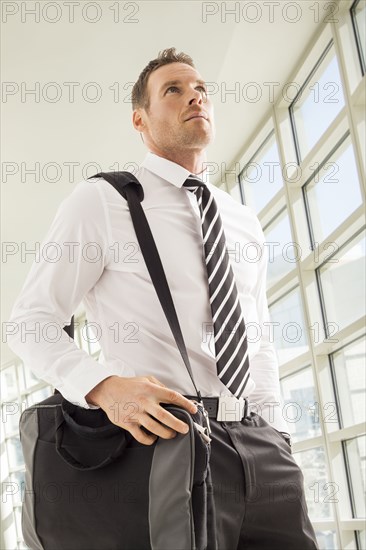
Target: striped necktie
(230,337)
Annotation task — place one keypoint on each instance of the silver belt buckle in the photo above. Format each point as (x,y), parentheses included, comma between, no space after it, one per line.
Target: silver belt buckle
(230,409)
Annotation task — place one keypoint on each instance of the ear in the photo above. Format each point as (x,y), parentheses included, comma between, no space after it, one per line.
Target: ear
(138,120)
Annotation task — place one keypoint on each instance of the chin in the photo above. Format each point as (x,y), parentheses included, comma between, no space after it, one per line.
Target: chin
(201,141)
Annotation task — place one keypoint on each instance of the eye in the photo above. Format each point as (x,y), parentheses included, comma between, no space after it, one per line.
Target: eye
(174,88)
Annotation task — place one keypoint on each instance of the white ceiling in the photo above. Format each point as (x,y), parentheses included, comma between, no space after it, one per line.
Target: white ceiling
(107,52)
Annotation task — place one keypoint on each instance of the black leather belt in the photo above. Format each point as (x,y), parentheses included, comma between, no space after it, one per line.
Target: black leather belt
(233,412)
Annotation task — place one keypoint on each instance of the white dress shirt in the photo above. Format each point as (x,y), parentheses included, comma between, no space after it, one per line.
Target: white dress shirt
(95,258)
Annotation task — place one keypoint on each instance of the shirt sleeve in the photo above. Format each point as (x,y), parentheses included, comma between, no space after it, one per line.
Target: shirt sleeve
(266,397)
(70,261)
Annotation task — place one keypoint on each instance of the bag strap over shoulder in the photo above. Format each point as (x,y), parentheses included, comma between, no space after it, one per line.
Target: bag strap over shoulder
(132,191)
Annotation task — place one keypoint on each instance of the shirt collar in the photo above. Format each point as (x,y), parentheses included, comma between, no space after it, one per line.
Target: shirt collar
(168,170)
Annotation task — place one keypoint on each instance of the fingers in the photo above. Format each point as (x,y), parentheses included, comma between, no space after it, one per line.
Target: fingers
(156,381)
(145,395)
(169,420)
(142,437)
(158,421)
(161,424)
(171,396)
(161,430)
(156,428)
(164,417)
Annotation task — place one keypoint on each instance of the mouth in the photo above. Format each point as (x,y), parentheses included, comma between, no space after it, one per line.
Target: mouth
(197,115)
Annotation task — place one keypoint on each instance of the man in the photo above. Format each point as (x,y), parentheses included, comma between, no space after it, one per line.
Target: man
(258,487)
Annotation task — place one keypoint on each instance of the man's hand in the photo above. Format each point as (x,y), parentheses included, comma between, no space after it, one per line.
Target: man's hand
(134,402)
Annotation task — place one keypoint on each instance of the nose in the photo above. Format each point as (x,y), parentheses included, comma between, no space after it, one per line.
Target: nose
(197,96)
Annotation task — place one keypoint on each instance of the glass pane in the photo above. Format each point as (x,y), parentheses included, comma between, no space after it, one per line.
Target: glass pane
(327,540)
(15,454)
(17,478)
(8,382)
(361,535)
(93,335)
(282,254)
(77,336)
(343,285)
(21,376)
(235,193)
(334,193)
(10,416)
(350,371)
(262,177)
(320,494)
(288,327)
(30,378)
(356,453)
(26,377)
(90,335)
(301,406)
(319,103)
(18,520)
(359,17)
(39,395)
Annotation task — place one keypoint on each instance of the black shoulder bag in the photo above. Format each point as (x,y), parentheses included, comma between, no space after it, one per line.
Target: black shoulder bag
(89,485)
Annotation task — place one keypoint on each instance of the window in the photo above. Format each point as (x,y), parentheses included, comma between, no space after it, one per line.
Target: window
(10,416)
(333,193)
(282,255)
(355,456)
(361,538)
(358,12)
(301,405)
(342,285)
(20,389)
(8,382)
(327,540)
(350,377)
(287,322)
(39,395)
(320,492)
(15,454)
(90,337)
(318,103)
(261,178)
(26,378)
(236,193)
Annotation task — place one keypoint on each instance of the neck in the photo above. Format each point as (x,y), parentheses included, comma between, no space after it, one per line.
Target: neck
(194,161)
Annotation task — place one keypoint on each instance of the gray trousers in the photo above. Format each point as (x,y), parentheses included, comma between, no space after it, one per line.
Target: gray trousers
(258,489)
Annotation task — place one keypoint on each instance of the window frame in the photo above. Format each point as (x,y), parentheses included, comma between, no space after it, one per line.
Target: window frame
(360,51)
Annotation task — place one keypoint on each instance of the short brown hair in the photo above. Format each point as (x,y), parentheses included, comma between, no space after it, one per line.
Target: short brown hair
(139,91)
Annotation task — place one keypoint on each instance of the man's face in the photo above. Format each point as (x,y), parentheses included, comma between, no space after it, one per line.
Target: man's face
(180,115)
